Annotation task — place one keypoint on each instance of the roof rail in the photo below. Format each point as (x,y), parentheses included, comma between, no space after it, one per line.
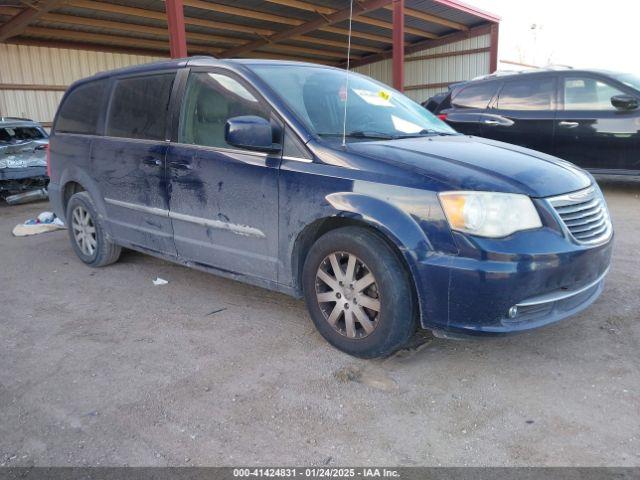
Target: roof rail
(503,73)
(6,119)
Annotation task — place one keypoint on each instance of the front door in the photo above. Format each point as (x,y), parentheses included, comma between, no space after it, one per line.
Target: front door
(523,113)
(223,200)
(129,162)
(591,132)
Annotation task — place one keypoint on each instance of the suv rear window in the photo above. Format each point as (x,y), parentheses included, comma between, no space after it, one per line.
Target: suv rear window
(139,107)
(13,135)
(475,96)
(80,111)
(528,94)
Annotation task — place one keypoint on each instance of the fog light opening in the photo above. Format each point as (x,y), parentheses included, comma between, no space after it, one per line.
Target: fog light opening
(513,312)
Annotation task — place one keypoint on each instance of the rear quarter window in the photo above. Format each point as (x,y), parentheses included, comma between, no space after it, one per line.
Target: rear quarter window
(140,106)
(81,109)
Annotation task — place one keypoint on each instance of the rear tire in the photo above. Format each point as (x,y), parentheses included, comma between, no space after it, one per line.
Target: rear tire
(87,233)
(359,293)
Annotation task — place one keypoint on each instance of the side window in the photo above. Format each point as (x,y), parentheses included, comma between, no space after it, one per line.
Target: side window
(81,109)
(527,94)
(140,106)
(588,94)
(211,99)
(293,147)
(475,96)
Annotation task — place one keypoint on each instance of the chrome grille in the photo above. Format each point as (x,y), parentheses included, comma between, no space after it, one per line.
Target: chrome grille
(585,215)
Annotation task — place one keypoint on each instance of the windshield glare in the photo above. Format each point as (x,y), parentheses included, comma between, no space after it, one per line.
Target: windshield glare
(629,79)
(318,97)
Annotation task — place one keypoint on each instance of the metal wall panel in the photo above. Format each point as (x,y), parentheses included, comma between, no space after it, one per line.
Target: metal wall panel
(436,70)
(28,65)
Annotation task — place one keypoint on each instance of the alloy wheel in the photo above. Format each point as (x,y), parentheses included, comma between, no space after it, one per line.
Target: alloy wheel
(347,293)
(84,230)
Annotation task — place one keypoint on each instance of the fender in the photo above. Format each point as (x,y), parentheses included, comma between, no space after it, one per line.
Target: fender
(79,175)
(394,223)
(409,218)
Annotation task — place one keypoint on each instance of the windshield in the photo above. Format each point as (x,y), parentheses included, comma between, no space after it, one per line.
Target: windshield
(318,97)
(629,79)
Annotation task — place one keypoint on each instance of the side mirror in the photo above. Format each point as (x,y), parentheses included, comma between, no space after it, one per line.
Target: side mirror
(250,132)
(624,102)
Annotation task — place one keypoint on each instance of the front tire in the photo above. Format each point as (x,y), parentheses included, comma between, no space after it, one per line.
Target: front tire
(87,234)
(358,293)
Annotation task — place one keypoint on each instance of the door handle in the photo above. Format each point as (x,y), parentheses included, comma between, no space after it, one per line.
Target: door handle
(569,124)
(497,121)
(154,162)
(180,166)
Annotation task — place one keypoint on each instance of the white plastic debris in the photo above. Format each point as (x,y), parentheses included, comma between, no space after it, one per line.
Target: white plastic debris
(46,217)
(45,222)
(160,281)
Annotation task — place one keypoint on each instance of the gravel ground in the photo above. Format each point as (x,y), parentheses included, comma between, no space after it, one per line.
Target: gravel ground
(101,367)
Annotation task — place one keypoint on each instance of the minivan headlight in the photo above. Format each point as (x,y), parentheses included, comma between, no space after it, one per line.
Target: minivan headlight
(489,214)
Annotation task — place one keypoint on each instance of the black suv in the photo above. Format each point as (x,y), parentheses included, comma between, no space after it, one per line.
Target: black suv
(588,117)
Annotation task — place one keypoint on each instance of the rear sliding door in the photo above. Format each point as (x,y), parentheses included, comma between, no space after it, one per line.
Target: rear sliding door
(129,162)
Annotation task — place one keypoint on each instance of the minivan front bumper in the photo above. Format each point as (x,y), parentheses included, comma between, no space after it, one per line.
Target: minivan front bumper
(503,293)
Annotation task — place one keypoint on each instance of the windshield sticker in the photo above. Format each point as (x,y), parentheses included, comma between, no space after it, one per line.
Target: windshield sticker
(405,126)
(379,99)
(343,93)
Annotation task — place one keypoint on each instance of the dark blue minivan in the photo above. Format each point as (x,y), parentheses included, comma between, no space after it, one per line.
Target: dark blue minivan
(313,182)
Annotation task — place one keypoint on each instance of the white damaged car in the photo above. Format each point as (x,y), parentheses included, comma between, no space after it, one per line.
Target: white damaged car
(23,155)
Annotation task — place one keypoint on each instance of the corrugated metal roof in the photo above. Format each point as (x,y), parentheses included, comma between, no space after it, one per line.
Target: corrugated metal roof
(367,38)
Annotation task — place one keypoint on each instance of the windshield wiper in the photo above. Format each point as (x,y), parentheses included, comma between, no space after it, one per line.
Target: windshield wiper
(426,132)
(362,134)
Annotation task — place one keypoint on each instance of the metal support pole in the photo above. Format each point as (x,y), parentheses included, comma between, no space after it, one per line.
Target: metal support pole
(493,54)
(177,33)
(398,45)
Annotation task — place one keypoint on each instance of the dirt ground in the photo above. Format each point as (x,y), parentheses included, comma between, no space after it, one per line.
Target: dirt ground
(101,367)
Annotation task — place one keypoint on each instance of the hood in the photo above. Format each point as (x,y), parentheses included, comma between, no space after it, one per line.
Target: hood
(471,163)
(23,154)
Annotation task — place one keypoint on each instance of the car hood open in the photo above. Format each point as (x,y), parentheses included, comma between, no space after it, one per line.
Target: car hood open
(472,163)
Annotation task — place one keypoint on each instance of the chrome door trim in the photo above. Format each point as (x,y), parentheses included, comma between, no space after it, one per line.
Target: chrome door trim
(243,230)
(139,208)
(297,159)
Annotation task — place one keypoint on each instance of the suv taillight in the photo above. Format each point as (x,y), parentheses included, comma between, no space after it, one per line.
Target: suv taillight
(443,117)
(48,161)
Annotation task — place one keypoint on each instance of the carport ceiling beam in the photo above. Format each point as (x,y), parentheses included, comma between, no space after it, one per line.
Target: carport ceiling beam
(336,17)
(104,39)
(156,15)
(427,17)
(213,24)
(310,7)
(135,28)
(22,20)
(269,17)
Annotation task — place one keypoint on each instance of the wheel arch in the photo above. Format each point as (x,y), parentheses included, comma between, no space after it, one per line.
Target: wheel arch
(396,228)
(75,181)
